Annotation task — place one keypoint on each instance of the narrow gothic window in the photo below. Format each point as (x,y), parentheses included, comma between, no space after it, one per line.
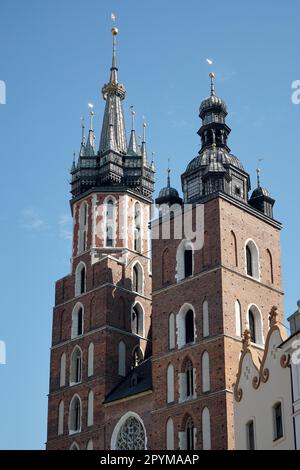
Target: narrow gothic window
(109,237)
(122,358)
(189,327)
(137,228)
(60,429)
(82,280)
(189,429)
(188,263)
(137,278)
(137,356)
(205,372)
(171,331)
(137,321)
(62,381)
(79,322)
(278,428)
(170,383)
(110,221)
(249,261)
(131,435)
(250,435)
(76,366)
(82,227)
(252,327)
(189,376)
(75,415)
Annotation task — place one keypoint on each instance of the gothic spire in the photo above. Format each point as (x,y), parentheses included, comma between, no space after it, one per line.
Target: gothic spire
(132,147)
(113,120)
(144,149)
(90,145)
(82,145)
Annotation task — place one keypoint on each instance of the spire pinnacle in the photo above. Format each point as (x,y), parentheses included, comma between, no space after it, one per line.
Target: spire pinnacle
(114,68)
(258,170)
(144,150)
(132,147)
(168,177)
(212,83)
(82,145)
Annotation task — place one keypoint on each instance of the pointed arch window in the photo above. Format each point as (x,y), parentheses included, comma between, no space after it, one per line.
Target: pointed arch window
(82,236)
(90,419)
(189,327)
(205,319)
(249,261)
(238,319)
(189,377)
(189,431)
(170,383)
(171,331)
(255,325)
(270,260)
(137,356)
(206,429)
(170,434)
(77,321)
(62,380)
(137,228)
(75,415)
(91,360)
(252,260)
(205,372)
(76,366)
(80,279)
(137,278)
(60,429)
(110,223)
(252,326)
(137,321)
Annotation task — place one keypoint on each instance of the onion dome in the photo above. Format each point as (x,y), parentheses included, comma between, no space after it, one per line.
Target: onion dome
(168,195)
(261,199)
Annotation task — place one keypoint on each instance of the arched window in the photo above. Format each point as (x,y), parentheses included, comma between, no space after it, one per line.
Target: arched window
(137,278)
(80,279)
(122,359)
(170,434)
(270,263)
(110,223)
(171,331)
(137,320)
(90,445)
(137,356)
(77,321)
(205,372)
(188,262)
(205,319)
(90,418)
(76,366)
(137,228)
(170,383)
(238,319)
(60,428)
(277,420)
(91,360)
(189,431)
(184,260)
(75,415)
(82,235)
(129,433)
(234,255)
(206,431)
(74,446)
(255,325)
(62,377)
(189,377)
(189,327)
(252,259)
(186,325)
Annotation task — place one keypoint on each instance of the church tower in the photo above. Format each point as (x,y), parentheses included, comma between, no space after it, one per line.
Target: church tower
(102,313)
(204,297)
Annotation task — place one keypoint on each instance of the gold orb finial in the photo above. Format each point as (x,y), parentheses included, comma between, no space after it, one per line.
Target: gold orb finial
(114,31)
(211,74)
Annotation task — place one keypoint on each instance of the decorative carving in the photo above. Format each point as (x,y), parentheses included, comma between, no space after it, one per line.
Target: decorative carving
(285,360)
(131,435)
(238,394)
(273,317)
(264,376)
(246,340)
(255,382)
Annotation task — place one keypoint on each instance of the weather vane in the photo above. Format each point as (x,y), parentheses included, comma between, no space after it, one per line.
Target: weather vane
(258,170)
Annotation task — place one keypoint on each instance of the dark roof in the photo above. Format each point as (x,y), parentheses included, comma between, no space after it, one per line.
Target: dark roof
(139,380)
(212,102)
(222,156)
(260,192)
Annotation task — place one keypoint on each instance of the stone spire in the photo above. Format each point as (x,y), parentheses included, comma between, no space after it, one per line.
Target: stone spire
(82,145)
(90,145)
(144,149)
(113,120)
(132,147)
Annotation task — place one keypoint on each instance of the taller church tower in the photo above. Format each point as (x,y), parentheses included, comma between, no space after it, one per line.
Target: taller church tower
(101,318)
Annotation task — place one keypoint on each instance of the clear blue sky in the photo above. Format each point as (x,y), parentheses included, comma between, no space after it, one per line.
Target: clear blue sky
(55,57)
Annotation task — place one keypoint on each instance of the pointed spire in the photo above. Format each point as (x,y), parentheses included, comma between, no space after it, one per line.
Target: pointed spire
(82,146)
(73,163)
(152,161)
(258,170)
(114,68)
(90,150)
(132,147)
(212,83)
(144,150)
(113,92)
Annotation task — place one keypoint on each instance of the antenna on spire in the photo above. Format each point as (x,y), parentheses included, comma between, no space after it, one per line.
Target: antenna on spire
(114,32)
(212,83)
(168,173)
(258,170)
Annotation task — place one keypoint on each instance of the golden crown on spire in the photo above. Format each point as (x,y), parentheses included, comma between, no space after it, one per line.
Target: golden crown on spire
(114,31)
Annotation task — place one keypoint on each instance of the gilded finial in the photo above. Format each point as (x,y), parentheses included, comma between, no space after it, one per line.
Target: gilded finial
(132,118)
(91,106)
(212,83)
(168,173)
(113,29)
